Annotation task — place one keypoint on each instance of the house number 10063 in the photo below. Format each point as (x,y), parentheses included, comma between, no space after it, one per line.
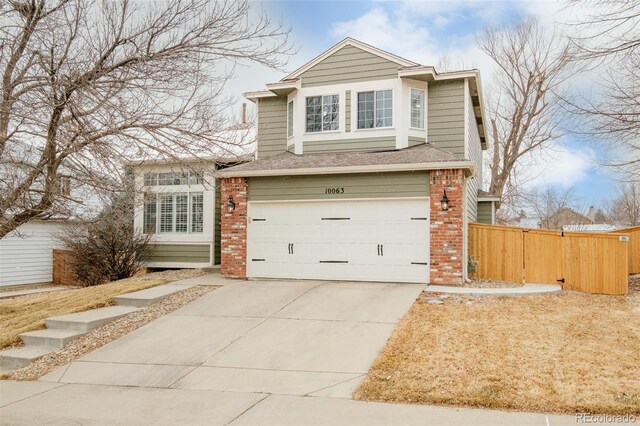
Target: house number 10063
(334,191)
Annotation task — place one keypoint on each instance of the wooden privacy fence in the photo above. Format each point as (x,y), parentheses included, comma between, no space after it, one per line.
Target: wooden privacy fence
(62,269)
(634,247)
(589,262)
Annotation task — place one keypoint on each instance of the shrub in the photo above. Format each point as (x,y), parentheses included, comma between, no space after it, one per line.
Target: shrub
(107,248)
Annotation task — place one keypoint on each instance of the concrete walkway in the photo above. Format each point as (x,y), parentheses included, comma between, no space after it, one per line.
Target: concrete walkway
(253,352)
(29,291)
(525,290)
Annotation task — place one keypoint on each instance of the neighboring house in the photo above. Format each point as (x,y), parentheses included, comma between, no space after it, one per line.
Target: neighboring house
(567,216)
(368,169)
(595,227)
(26,255)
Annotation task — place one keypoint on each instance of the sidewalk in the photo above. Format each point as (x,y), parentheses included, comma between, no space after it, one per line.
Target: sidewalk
(54,403)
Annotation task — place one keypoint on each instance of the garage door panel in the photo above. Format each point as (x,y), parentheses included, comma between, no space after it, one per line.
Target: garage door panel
(366,240)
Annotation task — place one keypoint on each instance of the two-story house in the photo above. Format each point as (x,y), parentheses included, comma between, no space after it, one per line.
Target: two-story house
(368,168)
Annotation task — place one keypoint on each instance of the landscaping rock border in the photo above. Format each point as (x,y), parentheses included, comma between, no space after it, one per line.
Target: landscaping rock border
(107,333)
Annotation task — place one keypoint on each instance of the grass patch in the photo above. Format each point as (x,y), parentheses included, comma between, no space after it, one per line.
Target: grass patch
(27,313)
(565,353)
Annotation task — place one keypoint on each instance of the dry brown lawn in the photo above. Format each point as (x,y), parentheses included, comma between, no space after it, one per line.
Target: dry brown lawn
(27,313)
(567,353)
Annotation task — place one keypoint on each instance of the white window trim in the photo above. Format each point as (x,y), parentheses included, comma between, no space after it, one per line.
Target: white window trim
(340,112)
(393,115)
(424,108)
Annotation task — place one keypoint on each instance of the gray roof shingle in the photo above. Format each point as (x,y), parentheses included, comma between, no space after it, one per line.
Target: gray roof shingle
(287,161)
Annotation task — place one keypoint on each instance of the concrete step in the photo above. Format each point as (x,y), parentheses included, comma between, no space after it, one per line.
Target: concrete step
(88,320)
(149,296)
(11,359)
(54,339)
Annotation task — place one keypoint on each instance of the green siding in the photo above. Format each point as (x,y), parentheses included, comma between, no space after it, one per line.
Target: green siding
(272,126)
(365,185)
(413,141)
(347,111)
(446,116)
(217,226)
(349,64)
(350,145)
(484,212)
(194,253)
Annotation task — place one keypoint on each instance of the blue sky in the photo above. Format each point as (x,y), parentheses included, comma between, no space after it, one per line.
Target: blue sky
(425,32)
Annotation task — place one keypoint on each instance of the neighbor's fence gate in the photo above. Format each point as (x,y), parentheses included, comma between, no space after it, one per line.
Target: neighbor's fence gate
(590,262)
(62,269)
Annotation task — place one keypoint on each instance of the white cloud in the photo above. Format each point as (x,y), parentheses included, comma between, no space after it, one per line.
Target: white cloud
(395,33)
(556,166)
(441,21)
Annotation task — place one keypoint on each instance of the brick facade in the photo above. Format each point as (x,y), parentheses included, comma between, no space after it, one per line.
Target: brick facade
(233,237)
(447,238)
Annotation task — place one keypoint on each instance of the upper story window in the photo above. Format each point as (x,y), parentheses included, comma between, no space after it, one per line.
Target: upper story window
(173,178)
(323,113)
(417,108)
(290,119)
(375,109)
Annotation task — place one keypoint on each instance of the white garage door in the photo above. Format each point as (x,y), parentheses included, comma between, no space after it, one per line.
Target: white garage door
(357,240)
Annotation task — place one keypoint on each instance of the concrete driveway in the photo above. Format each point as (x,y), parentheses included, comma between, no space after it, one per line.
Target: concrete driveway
(259,352)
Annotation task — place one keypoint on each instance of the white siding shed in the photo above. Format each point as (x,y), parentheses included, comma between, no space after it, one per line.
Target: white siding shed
(26,255)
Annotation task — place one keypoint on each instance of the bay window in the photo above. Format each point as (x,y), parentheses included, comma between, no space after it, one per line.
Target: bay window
(173,213)
(290,119)
(173,178)
(150,211)
(375,109)
(417,108)
(197,212)
(323,113)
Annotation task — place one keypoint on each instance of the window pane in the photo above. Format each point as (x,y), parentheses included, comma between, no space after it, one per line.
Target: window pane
(365,110)
(314,114)
(196,178)
(196,212)
(417,108)
(384,108)
(290,119)
(330,112)
(174,178)
(166,213)
(150,179)
(182,212)
(150,211)
(181,178)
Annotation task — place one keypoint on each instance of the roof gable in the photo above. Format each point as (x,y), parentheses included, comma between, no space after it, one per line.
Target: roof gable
(365,48)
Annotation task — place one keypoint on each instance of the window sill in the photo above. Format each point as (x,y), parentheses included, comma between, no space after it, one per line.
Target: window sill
(373,129)
(421,129)
(326,132)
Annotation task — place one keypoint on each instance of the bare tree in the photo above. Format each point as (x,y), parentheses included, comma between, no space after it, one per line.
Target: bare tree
(87,85)
(625,208)
(524,111)
(609,40)
(553,207)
